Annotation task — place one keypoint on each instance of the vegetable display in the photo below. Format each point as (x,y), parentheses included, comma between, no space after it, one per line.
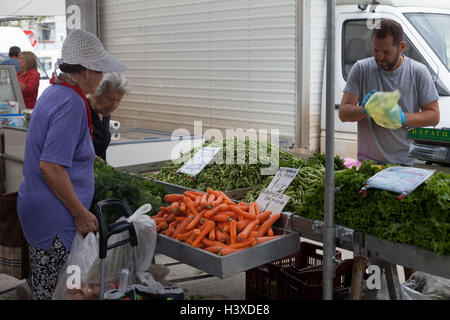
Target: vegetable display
(135,191)
(212,222)
(239,171)
(422,219)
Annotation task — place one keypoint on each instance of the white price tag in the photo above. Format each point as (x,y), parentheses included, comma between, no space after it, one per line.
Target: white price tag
(270,200)
(282,179)
(199,161)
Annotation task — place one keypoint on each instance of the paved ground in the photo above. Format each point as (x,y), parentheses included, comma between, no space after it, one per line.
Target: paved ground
(209,288)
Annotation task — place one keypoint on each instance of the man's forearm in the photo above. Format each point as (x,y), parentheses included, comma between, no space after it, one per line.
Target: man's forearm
(425,118)
(59,182)
(351,113)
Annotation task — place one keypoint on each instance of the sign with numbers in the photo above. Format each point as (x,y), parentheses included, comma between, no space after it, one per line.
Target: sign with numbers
(282,179)
(273,201)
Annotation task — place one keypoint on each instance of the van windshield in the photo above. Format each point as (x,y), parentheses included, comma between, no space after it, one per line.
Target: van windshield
(435,29)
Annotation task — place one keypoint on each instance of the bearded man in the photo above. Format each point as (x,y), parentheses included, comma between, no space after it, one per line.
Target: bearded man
(388,70)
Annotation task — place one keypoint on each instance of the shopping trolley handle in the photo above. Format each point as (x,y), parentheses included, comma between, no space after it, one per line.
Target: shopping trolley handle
(106,231)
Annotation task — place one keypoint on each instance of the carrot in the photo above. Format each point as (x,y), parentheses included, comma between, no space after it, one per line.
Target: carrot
(210,243)
(227,251)
(185,235)
(225,198)
(209,213)
(174,207)
(233,231)
(251,208)
(219,199)
(158,215)
(209,224)
(231,214)
(242,212)
(264,216)
(194,234)
(171,228)
(210,191)
(203,200)
(182,226)
(197,201)
(209,202)
(192,192)
(270,232)
(213,249)
(242,224)
(267,224)
(180,218)
(173,197)
(221,218)
(190,205)
(220,236)
(248,242)
(171,217)
(265,239)
(253,234)
(159,220)
(212,234)
(182,207)
(195,221)
(244,234)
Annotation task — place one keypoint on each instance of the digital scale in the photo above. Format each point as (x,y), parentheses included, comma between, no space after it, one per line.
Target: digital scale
(430,145)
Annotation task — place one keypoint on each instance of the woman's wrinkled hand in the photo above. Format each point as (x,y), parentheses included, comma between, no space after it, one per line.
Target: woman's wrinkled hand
(86,222)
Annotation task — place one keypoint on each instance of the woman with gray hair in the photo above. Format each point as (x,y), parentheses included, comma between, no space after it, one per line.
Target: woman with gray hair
(103,102)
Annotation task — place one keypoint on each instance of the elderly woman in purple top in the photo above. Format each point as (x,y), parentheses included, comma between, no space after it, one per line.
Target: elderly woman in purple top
(58,184)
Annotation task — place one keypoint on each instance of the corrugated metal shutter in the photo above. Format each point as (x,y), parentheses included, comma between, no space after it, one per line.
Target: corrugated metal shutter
(318,40)
(230,64)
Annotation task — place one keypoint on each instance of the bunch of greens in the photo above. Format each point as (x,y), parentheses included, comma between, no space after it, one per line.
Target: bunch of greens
(422,219)
(239,164)
(135,191)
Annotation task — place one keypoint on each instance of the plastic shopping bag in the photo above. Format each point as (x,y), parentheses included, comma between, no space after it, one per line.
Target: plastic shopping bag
(72,282)
(121,257)
(147,289)
(383,108)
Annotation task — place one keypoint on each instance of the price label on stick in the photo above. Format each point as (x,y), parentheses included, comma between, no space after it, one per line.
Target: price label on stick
(282,179)
(270,200)
(199,161)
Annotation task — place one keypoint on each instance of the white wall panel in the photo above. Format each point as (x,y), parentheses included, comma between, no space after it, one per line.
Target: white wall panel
(228,63)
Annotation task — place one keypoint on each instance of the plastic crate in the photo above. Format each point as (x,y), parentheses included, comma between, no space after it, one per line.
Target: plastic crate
(263,282)
(307,283)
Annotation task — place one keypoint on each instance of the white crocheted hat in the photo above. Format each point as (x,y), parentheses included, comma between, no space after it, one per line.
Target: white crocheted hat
(84,48)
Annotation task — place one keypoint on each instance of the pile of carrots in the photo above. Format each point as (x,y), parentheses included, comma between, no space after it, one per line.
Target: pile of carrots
(213,222)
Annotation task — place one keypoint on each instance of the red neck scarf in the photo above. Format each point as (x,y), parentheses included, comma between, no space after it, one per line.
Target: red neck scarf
(80,92)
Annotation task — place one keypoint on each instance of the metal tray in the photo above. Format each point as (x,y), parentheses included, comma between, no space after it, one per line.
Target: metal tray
(406,255)
(315,229)
(229,265)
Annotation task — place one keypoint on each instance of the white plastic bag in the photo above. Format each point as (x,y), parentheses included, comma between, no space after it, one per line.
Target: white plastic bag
(122,257)
(72,282)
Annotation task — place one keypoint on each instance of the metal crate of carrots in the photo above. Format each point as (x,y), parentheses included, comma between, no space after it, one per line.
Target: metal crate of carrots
(212,223)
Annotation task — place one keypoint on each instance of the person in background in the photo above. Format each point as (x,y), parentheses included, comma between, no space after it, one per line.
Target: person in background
(13,56)
(58,170)
(102,103)
(28,78)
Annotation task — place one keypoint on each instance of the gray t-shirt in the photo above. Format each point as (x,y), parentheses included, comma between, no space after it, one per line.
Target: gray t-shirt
(417,89)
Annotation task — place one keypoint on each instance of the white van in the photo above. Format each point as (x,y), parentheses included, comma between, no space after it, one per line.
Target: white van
(426,26)
(12,36)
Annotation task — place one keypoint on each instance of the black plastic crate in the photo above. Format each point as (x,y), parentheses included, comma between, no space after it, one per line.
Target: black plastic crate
(264,283)
(307,283)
